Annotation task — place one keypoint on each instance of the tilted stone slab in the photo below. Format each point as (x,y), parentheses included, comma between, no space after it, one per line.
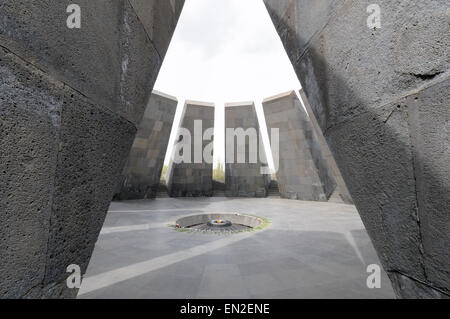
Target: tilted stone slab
(193,177)
(341,192)
(303,172)
(245,178)
(70,102)
(380,96)
(141,176)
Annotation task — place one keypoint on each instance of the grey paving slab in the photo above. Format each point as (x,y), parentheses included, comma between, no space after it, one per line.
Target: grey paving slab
(222,281)
(311,250)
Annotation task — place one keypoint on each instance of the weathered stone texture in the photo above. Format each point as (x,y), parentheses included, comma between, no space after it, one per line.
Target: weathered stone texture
(194,177)
(29,152)
(341,192)
(70,101)
(159,19)
(303,171)
(381,98)
(429,121)
(141,176)
(248,178)
(408,288)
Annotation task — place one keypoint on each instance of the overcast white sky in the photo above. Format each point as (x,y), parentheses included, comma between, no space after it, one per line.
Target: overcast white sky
(225,51)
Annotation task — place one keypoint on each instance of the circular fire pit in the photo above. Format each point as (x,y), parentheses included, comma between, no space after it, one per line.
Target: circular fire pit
(219,223)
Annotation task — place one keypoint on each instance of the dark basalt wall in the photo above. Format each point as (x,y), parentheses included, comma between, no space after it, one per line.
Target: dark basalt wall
(193,177)
(245,178)
(303,171)
(141,176)
(70,103)
(381,98)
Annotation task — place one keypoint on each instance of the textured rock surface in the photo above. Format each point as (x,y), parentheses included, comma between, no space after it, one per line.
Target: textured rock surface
(244,178)
(141,176)
(70,101)
(381,98)
(341,192)
(303,171)
(193,177)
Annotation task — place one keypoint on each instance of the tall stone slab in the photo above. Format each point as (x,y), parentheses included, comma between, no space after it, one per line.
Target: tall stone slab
(191,167)
(341,192)
(380,94)
(245,165)
(303,171)
(141,176)
(70,103)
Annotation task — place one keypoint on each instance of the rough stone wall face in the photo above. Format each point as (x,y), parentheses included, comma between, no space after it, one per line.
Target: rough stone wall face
(381,98)
(142,173)
(70,101)
(244,179)
(194,177)
(303,171)
(341,189)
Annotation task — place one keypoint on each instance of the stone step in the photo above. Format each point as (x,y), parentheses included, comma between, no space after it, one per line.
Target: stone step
(219,194)
(273,190)
(162,191)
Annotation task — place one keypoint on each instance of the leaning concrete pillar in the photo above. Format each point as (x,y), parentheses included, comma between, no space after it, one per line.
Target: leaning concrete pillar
(191,165)
(377,78)
(70,102)
(246,172)
(303,172)
(141,176)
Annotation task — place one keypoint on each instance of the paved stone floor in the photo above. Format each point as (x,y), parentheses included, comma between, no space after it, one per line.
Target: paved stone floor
(311,250)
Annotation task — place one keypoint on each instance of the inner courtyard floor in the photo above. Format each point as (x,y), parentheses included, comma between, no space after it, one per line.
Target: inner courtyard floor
(310,250)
